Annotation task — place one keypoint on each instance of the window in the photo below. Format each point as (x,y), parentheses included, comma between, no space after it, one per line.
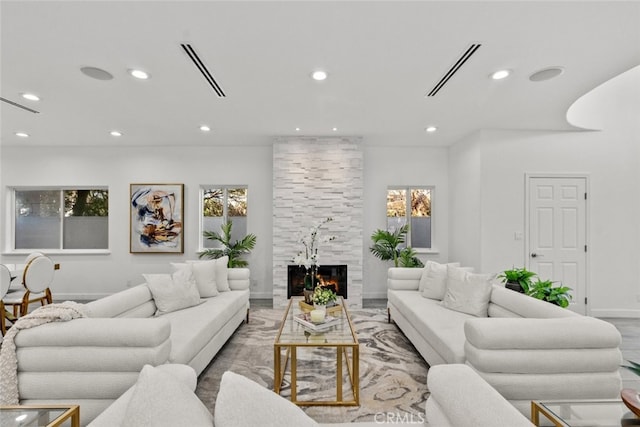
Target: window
(411,205)
(61,219)
(221,204)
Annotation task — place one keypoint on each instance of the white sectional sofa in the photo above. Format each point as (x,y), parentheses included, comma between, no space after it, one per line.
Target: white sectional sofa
(459,398)
(91,361)
(527,349)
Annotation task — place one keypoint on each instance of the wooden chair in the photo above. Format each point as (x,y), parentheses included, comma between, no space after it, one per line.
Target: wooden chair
(37,277)
(5,282)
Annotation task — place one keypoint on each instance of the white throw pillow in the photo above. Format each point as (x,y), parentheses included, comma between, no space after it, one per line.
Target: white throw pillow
(173,292)
(242,402)
(433,282)
(159,399)
(222,274)
(204,273)
(468,292)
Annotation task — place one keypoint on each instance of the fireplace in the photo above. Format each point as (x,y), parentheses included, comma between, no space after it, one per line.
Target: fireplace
(328,275)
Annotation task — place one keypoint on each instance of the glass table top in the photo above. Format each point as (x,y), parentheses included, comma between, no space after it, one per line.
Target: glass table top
(339,329)
(16,416)
(594,413)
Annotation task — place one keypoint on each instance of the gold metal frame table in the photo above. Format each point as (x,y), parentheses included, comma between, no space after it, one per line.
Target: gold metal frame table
(571,413)
(292,336)
(40,415)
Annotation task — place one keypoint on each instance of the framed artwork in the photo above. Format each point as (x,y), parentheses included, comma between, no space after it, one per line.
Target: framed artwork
(157,212)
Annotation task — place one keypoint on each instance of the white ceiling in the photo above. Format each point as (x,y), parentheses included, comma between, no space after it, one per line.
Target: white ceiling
(382,58)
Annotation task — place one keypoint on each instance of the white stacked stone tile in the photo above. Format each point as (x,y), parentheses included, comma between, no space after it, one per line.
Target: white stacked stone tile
(316,178)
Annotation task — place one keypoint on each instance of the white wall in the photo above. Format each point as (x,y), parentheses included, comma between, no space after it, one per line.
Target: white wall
(465,169)
(90,276)
(415,166)
(612,161)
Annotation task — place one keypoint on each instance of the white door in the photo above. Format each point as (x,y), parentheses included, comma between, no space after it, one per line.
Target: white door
(557,233)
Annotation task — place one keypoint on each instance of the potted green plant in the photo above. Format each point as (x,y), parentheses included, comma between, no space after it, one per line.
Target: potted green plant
(408,258)
(517,279)
(544,290)
(233,249)
(386,246)
(323,296)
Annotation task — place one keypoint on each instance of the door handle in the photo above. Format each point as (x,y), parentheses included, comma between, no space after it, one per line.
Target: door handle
(535,255)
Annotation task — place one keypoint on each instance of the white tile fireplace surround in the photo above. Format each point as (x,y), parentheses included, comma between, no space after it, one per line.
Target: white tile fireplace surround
(313,179)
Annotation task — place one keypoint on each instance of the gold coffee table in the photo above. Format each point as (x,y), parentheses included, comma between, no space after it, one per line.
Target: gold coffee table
(40,415)
(294,336)
(570,413)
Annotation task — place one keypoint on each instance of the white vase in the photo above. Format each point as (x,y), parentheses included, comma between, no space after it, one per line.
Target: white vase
(320,306)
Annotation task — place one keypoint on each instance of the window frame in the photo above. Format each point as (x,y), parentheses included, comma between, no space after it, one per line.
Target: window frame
(225,208)
(432,189)
(11,235)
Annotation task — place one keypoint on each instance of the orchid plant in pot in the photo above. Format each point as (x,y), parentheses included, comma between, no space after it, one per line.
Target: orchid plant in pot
(309,256)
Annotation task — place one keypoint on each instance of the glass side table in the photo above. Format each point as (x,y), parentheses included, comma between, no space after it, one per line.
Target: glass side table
(573,413)
(40,416)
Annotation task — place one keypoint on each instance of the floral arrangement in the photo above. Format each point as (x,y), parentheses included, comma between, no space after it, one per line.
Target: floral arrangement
(309,257)
(323,296)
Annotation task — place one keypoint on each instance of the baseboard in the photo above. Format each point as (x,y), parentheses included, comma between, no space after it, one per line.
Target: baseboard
(261,295)
(375,295)
(615,313)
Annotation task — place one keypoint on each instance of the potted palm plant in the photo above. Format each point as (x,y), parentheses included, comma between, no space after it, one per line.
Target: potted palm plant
(233,249)
(386,246)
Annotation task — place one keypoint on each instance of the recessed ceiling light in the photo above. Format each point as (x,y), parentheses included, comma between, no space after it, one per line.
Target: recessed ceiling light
(297,129)
(31,97)
(96,73)
(335,129)
(319,75)
(546,74)
(22,134)
(431,129)
(500,74)
(139,74)
(205,128)
(115,133)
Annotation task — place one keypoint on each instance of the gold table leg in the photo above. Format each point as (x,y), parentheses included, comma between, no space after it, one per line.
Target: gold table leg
(339,374)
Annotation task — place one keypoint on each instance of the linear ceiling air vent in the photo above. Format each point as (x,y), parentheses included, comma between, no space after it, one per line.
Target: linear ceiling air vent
(465,56)
(15,104)
(203,69)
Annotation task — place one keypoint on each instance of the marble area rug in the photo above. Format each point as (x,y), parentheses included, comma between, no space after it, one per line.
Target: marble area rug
(393,376)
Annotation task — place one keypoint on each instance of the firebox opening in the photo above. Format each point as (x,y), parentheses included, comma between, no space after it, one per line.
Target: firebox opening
(328,275)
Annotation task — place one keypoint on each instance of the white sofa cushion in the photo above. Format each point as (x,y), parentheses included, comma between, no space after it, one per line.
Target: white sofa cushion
(222,274)
(173,292)
(540,334)
(204,273)
(159,399)
(192,329)
(242,402)
(440,327)
(460,398)
(115,413)
(467,292)
(433,282)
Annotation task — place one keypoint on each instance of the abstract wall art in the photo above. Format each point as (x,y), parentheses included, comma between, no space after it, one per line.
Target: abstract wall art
(156,218)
